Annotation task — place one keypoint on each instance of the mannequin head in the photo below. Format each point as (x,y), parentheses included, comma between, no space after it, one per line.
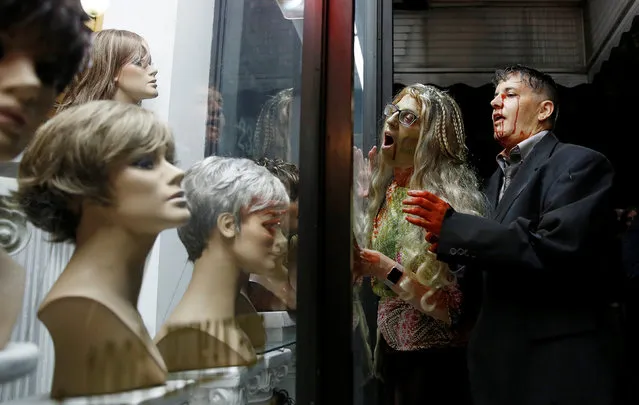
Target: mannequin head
(102,164)
(289,175)
(120,69)
(215,117)
(236,205)
(42,44)
(272,131)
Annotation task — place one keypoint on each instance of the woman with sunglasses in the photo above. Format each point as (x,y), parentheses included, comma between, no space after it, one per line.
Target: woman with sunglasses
(423,320)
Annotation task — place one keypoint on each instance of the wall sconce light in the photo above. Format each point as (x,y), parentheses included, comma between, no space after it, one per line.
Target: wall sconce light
(291,9)
(95,8)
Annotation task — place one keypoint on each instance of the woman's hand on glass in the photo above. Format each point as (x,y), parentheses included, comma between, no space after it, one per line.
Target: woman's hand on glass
(375,263)
(362,169)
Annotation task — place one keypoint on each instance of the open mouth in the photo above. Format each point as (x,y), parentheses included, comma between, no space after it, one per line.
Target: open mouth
(497,118)
(388,140)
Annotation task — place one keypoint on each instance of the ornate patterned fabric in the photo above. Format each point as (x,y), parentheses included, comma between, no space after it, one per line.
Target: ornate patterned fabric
(404,327)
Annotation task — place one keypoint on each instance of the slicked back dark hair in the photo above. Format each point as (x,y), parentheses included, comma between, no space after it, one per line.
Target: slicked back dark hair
(539,82)
(60,25)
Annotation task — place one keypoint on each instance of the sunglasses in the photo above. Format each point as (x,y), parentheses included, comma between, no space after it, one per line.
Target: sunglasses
(406,117)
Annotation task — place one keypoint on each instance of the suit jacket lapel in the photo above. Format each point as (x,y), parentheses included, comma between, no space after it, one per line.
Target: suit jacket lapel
(529,166)
(492,191)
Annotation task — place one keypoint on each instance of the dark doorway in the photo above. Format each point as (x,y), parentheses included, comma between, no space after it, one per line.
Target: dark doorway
(602,115)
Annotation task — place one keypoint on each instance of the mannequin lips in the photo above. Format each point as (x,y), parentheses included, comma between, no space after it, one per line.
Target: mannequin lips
(177,196)
(12,116)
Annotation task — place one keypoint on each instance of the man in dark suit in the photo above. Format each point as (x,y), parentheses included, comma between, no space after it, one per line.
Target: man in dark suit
(547,331)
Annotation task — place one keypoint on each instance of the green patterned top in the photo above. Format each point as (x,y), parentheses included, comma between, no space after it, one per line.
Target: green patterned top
(388,226)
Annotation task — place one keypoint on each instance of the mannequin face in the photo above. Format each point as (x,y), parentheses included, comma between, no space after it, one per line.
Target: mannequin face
(137,82)
(215,121)
(280,250)
(147,197)
(399,141)
(27,91)
(291,220)
(258,245)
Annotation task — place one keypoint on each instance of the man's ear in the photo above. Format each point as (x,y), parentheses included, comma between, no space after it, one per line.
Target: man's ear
(545,110)
(226,225)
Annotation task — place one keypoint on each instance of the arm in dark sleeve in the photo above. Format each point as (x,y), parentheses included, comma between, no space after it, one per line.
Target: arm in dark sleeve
(469,284)
(572,213)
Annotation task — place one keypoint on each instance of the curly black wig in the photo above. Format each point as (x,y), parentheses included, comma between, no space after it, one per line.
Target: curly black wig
(60,25)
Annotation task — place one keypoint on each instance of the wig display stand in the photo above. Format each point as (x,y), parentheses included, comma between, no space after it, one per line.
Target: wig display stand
(17,360)
(220,386)
(177,392)
(280,329)
(239,385)
(261,385)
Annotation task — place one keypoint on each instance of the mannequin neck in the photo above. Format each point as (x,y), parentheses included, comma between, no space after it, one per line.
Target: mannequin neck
(124,98)
(114,257)
(216,282)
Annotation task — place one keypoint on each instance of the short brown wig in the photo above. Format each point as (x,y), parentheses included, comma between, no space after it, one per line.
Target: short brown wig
(72,158)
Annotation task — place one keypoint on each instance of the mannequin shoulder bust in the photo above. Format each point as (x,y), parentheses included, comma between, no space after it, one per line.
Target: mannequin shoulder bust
(103,342)
(218,343)
(250,321)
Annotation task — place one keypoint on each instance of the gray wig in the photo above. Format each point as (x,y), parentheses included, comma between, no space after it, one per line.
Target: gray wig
(218,185)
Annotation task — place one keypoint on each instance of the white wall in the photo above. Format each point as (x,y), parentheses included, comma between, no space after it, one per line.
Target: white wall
(187,116)
(179,35)
(155,20)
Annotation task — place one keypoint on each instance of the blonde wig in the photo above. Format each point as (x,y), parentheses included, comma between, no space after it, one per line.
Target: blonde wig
(73,157)
(441,167)
(272,131)
(110,52)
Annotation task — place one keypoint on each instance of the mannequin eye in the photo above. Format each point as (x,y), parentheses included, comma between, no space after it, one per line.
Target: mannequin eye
(146,163)
(272,224)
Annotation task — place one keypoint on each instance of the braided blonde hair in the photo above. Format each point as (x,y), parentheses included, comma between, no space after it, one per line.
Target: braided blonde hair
(272,131)
(441,167)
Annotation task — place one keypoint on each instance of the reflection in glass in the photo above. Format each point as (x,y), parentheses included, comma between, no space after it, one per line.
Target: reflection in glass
(292,9)
(276,291)
(215,119)
(272,133)
(253,112)
(363,326)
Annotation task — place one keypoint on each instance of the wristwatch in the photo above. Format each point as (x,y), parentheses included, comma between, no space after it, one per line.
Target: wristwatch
(393,277)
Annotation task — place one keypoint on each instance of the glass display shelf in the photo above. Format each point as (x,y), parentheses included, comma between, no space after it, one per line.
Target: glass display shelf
(280,331)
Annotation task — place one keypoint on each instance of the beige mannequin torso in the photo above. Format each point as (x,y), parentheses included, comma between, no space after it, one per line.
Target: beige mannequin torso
(12,284)
(101,343)
(272,294)
(249,320)
(100,340)
(203,331)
